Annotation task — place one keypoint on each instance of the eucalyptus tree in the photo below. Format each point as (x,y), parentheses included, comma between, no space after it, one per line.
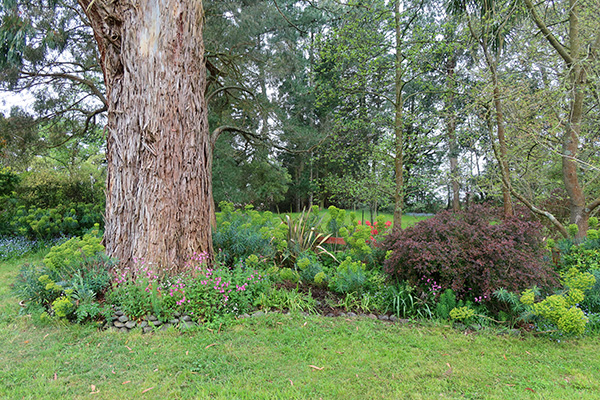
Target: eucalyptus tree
(159,147)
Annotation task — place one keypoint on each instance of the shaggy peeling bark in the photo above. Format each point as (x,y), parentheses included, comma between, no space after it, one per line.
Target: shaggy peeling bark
(159,151)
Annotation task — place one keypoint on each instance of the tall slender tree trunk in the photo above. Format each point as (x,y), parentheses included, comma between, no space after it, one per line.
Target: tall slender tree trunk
(159,150)
(578,214)
(398,131)
(500,132)
(451,132)
(577,63)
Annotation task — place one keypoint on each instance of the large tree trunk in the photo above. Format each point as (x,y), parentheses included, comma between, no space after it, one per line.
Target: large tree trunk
(159,152)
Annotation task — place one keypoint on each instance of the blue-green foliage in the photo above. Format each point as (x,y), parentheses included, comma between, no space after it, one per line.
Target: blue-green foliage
(591,302)
(308,266)
(241,233)
(336,220)
(350,277)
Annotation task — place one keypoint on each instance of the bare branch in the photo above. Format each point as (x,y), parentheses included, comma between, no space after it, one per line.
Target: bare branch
(251,136)
(226,88)
(73,78)
(287,20)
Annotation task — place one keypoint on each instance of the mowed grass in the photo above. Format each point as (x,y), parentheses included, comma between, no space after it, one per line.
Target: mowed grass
(286,357)
(407,220)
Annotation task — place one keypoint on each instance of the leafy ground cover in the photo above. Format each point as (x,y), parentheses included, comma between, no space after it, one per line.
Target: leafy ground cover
(285,357)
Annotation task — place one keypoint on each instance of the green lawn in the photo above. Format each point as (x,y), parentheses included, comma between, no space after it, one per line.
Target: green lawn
(286,357)
(407,220)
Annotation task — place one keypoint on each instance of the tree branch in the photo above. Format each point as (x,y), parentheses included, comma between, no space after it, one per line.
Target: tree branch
(506,181)
(73,78)
(287,20)
(251,136)
(548,35)
(225,88)
(593,205)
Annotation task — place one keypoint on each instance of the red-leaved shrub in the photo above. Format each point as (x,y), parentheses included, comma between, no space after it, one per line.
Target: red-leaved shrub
(472,252)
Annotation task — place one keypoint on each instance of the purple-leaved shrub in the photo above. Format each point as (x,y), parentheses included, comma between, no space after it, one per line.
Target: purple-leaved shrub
(472,252)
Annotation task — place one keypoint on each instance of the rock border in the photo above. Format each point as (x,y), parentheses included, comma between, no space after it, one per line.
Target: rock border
(150,323)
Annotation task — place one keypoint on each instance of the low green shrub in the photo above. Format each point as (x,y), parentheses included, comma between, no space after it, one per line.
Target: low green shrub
(561,310)
(242,233)
(74,251)
(62,292)
(308,266)
(64,220)
(446,302)
(204,293)
(349,277)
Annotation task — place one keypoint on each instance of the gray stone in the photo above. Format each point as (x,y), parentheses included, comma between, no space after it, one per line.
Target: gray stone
(384,317)
(393,318)
(244,315)
(174,321)
(123,330)
(123,318)
(372,316)
(342,314)
(144,324)
(147,329)
(130,324)
(363,315)
(258,314)
(165,327)
(186,324)
(188,318)
(118,324)
(151,318)
(177,315)
(351,314)
(157,323)
(113,329)
(404,321)
(330,315)
(119,313)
